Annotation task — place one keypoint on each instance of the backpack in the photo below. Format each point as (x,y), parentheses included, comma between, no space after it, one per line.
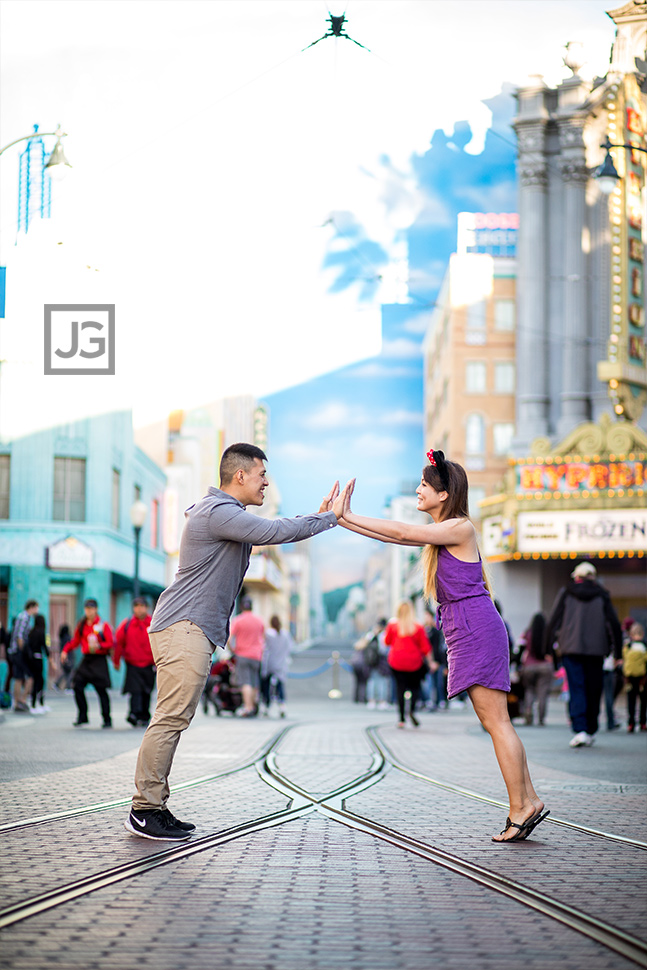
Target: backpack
(372,653)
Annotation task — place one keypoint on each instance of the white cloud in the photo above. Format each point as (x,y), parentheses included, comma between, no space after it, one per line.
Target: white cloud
(401,417)
(400,347)
(371,444)
(335,414)
(378,369)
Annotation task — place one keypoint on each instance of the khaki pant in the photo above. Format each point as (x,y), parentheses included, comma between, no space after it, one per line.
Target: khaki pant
(182,655)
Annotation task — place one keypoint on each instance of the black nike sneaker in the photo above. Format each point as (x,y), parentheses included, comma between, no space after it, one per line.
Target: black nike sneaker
(154,825)
(186,826)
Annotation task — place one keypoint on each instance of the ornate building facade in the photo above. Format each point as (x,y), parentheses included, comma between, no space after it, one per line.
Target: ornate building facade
(576,485)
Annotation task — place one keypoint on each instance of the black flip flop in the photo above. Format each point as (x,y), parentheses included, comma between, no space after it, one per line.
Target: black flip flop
(533,822)
(521,834)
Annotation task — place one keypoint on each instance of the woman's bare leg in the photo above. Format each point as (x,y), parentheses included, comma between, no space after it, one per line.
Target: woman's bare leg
(492,711)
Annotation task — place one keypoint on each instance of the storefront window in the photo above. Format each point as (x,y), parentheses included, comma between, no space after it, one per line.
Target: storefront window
(116,488)
(69,490)
(503,434)
(5,467)
(504,375)
(475,376)
(475,329)
(475,435)
(476,495)
(504,314)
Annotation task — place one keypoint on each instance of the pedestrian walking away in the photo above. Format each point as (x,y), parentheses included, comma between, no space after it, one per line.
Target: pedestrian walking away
(478,654)
(409,658)
(22,679)
(191,618)
(536,669)
(634,668)
(274,665)
(96,641)
(586,628)
(247,642)
(35,651)
(133,644)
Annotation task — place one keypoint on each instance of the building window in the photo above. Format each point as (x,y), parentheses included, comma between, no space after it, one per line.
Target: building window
(475,326)
(504,314)
(155,517)
(137,493)
(5,467)
(69,490)
(504,377)
(475,435)
(476,495)
(503,434)
(475,376)
(116,503)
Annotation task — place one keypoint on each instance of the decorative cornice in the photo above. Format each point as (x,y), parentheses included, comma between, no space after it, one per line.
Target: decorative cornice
(573,170)
(606,438)
(532,172)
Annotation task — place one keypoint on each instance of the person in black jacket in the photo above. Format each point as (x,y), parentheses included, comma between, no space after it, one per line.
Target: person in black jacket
(34,651)
(587,629)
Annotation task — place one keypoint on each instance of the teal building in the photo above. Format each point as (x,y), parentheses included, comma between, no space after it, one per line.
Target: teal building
(65,528)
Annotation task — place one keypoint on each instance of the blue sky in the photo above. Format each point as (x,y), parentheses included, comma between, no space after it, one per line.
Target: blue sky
(366,419)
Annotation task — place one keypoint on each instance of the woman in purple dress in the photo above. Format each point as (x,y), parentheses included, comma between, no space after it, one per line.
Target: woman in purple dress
(477,641)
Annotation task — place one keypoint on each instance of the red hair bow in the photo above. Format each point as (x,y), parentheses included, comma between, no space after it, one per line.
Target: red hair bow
(432,460)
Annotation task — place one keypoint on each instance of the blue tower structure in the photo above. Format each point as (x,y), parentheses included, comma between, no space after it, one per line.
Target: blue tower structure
(34,186)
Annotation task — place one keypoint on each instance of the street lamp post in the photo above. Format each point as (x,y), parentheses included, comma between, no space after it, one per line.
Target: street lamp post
(607,175)
(138,513)
(57,164)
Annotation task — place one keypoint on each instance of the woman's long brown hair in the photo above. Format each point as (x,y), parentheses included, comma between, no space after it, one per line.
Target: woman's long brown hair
(455,507)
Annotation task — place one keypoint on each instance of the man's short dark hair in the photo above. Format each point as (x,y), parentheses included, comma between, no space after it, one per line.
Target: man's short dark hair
(30,603)
(140,601)
(240,455)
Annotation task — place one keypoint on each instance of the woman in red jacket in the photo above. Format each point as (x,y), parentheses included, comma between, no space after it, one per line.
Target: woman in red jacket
(408,657)
(96,641)
(134,646)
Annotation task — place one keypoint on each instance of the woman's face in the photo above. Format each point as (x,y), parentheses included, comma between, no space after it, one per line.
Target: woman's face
(429,500)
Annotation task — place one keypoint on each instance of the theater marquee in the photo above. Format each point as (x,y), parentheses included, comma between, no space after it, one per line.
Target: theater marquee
(582,531)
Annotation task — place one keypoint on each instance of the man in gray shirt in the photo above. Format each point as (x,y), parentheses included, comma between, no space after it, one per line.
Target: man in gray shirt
(191,618)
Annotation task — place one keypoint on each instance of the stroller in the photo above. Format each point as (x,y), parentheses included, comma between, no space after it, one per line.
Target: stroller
(220,689)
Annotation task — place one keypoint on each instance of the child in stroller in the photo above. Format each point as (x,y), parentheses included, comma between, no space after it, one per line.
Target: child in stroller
(220,689)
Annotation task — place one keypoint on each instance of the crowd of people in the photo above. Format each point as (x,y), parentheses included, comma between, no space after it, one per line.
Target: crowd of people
(465,650)
(581,652)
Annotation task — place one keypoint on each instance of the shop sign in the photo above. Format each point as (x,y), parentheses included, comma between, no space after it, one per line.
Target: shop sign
(69,553)
(494,233)
(575,477)
(625,369)
(579,531)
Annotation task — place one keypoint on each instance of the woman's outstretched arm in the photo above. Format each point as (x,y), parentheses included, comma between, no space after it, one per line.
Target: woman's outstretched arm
(451,532)
(374,535)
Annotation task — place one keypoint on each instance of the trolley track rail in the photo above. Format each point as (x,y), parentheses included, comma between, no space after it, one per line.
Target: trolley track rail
(373,733)
(332,805)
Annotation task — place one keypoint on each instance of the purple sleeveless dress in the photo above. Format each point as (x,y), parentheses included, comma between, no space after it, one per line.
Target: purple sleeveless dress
(476,637)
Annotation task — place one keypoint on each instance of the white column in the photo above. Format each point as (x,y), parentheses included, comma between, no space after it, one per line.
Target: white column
(531,352)
(574,396)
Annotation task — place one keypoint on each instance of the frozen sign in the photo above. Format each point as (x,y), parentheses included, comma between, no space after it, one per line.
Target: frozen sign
(493,233)
(616,530)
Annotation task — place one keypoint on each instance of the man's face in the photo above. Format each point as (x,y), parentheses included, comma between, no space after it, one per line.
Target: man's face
(254,483)
(33,610)
(140,611)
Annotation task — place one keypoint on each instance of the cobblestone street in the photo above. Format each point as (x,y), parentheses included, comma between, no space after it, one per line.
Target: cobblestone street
(330,884)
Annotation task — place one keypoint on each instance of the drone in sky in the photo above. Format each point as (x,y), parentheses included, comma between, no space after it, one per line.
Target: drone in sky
(336,30)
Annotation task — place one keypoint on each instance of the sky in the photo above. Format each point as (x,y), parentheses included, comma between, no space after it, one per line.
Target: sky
(250,207)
